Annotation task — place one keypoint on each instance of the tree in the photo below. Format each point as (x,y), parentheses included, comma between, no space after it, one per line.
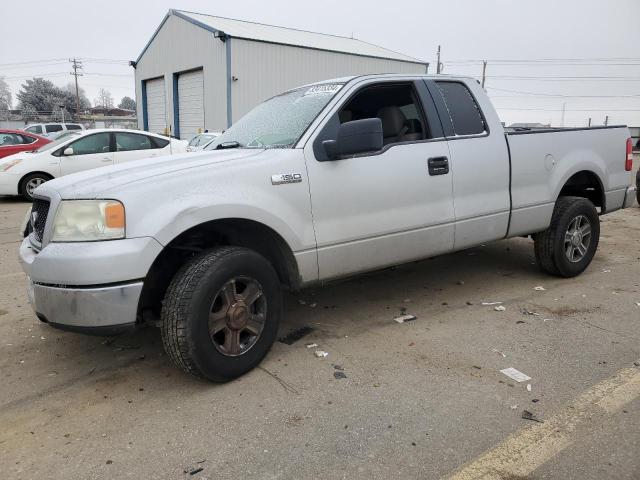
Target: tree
(39,94)
(70,98)
(6,97)
(127,103)
(104,99)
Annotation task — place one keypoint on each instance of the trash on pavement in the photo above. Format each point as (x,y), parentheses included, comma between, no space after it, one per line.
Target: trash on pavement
(539,288)
(504,355)
(499,308)
(516,375)
(514,407)
(528,387)
(321,353)
(405,318)
(486,304)
(529,312)
(527,415)
(339,374)
(637,304)
(312,345)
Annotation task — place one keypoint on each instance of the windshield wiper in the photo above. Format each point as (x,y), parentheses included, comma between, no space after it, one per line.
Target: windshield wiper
(226,145)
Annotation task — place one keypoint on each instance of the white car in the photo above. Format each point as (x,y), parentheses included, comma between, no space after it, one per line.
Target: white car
(52,130)
(197,143)
(76,151)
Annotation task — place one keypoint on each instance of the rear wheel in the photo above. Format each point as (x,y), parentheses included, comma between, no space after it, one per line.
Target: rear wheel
(221,312)
(30,183)
(567,247)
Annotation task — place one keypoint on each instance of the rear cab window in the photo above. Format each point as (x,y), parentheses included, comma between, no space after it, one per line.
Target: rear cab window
(53,128)
(465,114)
(72,126)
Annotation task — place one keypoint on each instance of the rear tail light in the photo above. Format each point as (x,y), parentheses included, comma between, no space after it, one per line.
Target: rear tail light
(628,164)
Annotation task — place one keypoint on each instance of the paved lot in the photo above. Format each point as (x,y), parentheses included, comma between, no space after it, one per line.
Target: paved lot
(423,399)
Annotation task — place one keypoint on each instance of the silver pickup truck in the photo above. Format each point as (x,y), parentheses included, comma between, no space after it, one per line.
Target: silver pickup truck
(323,181)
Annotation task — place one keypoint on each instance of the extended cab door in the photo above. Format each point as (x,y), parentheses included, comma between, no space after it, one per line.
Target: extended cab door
(383,207)
(89,151)
(479,160)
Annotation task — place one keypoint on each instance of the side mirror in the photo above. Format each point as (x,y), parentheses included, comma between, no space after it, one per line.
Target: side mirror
(357,136)
(68,151)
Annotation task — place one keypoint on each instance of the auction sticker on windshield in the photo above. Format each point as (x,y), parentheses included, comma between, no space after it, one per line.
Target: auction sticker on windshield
(323,89)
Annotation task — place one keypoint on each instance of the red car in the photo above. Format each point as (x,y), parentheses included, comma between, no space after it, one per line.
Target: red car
(14,141)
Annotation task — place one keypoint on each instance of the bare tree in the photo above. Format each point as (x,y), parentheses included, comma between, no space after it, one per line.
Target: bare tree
(104,99)
(5,95)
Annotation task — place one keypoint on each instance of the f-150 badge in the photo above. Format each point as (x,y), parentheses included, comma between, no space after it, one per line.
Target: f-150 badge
(281,178)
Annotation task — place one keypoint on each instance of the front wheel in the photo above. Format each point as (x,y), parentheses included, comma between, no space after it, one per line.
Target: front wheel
(221,313)
(30,183)
(567,247)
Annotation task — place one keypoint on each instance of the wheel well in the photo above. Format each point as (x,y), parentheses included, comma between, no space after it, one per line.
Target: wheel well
(586,184)
(231,231)
(31,173)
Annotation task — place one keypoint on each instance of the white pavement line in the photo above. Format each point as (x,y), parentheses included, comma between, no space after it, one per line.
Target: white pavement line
(523,452)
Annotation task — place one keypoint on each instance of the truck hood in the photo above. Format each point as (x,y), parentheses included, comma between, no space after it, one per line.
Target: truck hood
(100,181)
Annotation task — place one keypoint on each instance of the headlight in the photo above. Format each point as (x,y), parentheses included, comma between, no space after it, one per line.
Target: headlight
(10,164)
(88,220)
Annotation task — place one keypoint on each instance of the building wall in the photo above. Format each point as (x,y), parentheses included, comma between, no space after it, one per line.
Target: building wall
(265,69)
(180,46)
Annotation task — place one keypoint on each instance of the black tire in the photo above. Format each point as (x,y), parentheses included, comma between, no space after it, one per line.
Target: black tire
(188,305)
(24,187)
(550,247)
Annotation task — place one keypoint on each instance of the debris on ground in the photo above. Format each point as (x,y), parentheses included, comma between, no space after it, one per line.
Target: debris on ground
(527,415)
(528,387)
(637,363)
(504,355)
(514,407)
(295,335)
(520,321)
(499,308)
(529,312)
(539,288)
(487,304)
(312,345)
(637,304)
(338,367)
(535,400)
(196,470)
(606,270)
(339,374)
(516,375)
(301,302)
(405,318)
(313,305)
(321,353)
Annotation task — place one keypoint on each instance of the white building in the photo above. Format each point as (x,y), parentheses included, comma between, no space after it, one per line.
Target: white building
(199,71)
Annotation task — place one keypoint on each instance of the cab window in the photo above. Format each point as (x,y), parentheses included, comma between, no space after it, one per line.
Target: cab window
(37,129)
(396,105)
(53,128)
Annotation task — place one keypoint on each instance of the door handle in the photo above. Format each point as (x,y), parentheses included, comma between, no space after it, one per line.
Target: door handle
(438,166)
(104,160)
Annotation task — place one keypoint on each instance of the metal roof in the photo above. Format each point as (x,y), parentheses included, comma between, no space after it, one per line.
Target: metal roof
(289,36)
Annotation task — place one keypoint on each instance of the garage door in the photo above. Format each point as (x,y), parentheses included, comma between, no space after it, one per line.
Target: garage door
(191,103)
(156,106)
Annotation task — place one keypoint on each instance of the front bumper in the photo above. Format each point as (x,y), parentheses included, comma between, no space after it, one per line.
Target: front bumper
(9,184)
(88,285)
(104,309)
(629,197)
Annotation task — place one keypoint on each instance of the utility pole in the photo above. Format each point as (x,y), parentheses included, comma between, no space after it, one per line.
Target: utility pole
(606,120)
(76,65)
(484,71)
(438,65)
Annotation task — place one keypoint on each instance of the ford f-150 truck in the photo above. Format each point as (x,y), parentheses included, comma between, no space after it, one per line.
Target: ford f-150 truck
(321,182)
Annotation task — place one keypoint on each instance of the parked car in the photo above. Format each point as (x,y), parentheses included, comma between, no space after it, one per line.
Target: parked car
(52,130)
(321,182)
(14,141)
(197,143)
(76,151)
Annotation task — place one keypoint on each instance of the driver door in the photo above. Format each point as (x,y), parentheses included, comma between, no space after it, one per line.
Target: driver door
(386,207)
(89,151)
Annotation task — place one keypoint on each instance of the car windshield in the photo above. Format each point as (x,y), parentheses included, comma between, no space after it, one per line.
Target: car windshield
(280,121)
(63,137)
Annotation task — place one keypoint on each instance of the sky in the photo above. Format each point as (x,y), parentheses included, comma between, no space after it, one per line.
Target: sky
(543,57)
